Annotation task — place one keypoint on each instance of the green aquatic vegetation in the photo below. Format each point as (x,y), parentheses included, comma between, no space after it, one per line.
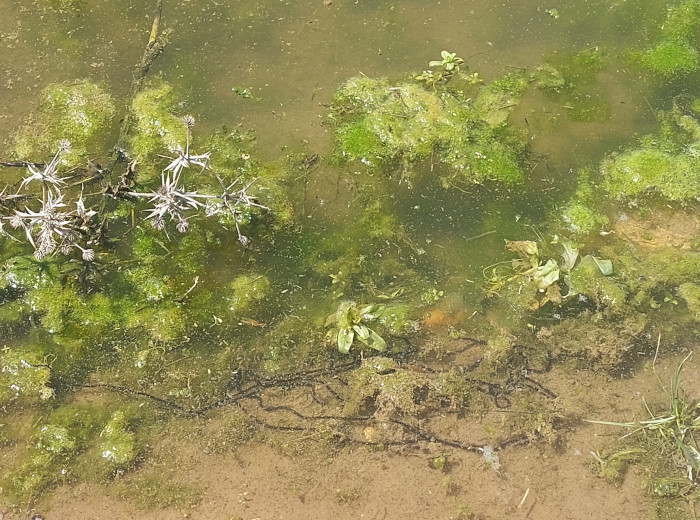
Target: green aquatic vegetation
(581,219)
(588,107)
(156,127)
(612,465)
(24,272)
(232,151)
(682,20)
(59,438)
(145,245)
(378,222)
(591,279)
(152,285)
(173,262)
(163,322)
(570,78)
(174,203)
(550,274)
(246,291)
(494,101)
(669,58)
(450,62)
(657,273)
(117,444)
(24,378)
(291,344)
(54,305)
(349,323)
(549,78)
(553,13)
(48,226)
(191,253)
(80,113)
(647,170)
(570,72)
(690,293)
(441,70)
(393,126)
(673,53)
(56,439)
(580,215)
(394,317)
(64,307)
(431,296)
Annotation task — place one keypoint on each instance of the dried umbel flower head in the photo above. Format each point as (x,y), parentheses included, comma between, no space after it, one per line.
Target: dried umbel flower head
(183,225)
(48,176)
(189,121)
(88,254)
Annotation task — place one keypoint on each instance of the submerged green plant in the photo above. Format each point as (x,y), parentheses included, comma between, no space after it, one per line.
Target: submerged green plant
(350,323)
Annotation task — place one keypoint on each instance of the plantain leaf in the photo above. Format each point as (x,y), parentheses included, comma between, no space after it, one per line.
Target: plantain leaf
(362,331)
(346,336)
(605,266)
(375,341)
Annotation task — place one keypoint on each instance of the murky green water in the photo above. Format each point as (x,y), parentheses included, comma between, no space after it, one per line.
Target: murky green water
(187,317)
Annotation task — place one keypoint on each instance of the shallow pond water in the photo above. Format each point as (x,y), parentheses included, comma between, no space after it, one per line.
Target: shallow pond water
(426,284)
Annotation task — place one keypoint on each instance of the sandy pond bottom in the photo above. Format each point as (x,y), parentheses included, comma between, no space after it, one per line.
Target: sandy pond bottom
(302,478)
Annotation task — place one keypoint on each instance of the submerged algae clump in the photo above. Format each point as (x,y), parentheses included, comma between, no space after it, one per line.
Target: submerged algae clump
(389,126)
(24,378)
(156,127)
(665,164)
(670,58)
(118,445)
(80,112)
(571,79)
(58,441)
(674,51)
(246,290)
(637,172)
(580,215)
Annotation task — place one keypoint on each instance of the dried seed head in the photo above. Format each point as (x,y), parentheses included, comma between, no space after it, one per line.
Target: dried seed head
(158,223)
(88,255)
(16,221)
(182,226)
(66,247)
(64,145)
(189,121)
